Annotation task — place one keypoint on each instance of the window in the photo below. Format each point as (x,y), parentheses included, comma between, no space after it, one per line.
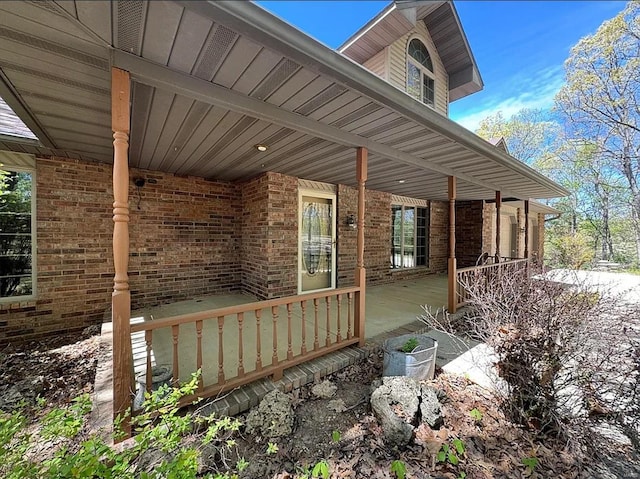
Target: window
(409,236)
(420,77)
(16,234)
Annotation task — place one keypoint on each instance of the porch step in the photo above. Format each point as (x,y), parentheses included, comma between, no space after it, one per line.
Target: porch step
(250,395)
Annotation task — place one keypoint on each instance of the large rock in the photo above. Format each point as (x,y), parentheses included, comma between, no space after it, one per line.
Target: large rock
(324,390)
(396,403)
(430,410)
(24,392)
(273,417)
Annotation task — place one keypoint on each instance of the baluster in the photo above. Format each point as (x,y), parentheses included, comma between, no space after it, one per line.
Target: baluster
(274,315)
(303,308)
(316,345)
(258,341)
(175,330)
(199,352)
(289,350)
(327,341)
(220,351)
(349,301)
(240,352)
(339,305)
(148,338)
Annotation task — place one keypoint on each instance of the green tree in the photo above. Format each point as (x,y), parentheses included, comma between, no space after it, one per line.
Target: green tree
(15,233)
(531,135)
(601,100)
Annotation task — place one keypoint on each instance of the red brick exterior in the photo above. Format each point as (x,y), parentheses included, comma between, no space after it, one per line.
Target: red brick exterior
(269,259)
(377,248)
(184,241)
(540,251)
(184,238)
(469,232)
(189,237)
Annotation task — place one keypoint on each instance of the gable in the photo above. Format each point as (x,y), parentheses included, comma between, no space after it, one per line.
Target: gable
(441,20)
(397,75)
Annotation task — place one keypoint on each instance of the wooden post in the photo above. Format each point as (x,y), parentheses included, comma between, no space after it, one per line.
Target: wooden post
(361,272)
(526,229)
(498,206)
(452,273)
(121,297)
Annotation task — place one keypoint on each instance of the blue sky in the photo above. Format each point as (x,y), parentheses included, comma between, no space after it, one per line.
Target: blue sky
(519,46)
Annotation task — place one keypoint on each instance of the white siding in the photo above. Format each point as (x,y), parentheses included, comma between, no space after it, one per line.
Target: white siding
(378,64)
(398,66)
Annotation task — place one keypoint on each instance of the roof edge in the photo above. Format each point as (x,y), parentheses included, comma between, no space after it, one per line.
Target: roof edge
(251,19)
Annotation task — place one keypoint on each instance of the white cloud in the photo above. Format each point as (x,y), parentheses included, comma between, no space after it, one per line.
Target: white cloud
(536,91)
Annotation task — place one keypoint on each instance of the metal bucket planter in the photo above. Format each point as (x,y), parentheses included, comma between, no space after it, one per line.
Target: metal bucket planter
(420,363)
(160,375)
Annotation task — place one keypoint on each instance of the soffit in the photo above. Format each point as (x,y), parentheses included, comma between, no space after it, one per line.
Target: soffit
(534,207)
(261,92)
(54,73)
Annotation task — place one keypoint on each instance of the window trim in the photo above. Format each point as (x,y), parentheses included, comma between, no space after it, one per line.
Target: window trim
(423,71)
(415,205)
(34,242)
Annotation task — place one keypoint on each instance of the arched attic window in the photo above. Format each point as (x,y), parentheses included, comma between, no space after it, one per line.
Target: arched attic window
(420,77)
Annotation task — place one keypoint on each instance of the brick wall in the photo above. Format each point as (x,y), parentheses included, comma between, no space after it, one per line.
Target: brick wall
(469,232)
(189,237)
(184,238)
(184,242)
(269,260)
(74,262)
(520,221)
(378,238)
(541,238)
(439,236)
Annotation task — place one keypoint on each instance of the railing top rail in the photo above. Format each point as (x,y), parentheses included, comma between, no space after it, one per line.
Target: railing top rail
(240,308)
(492,265)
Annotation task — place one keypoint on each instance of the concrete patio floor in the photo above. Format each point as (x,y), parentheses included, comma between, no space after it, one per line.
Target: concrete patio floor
(388,307)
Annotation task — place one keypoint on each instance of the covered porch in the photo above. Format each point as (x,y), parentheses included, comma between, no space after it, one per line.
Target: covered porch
(225,94)
(389,307)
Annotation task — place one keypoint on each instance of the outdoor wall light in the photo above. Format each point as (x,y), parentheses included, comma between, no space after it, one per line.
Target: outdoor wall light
(351,222)
(261,147)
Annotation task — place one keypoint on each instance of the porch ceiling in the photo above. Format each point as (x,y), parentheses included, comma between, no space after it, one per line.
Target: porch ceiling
(213,79)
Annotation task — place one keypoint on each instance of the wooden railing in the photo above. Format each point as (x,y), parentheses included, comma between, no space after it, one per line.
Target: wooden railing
(487,273)
(228,342)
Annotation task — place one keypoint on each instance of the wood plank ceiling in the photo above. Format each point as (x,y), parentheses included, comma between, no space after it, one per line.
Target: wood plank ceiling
(55,57)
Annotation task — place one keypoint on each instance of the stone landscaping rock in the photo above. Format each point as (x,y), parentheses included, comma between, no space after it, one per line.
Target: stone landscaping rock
(324,390)
(22,392)
(337,405)
(400,403)
(430,410)
(395,404)
(273,417)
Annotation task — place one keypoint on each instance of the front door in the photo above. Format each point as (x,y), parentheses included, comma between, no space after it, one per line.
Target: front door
(317,239)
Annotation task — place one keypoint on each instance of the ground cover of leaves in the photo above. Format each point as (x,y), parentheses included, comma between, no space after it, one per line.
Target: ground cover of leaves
(494,447)
(59,368)
(351,441)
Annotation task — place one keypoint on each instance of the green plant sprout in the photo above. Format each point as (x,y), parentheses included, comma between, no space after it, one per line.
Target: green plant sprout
(399,468)
(409,345)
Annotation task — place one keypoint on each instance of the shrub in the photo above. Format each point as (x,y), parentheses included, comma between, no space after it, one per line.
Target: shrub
(166,444)
(569,355)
